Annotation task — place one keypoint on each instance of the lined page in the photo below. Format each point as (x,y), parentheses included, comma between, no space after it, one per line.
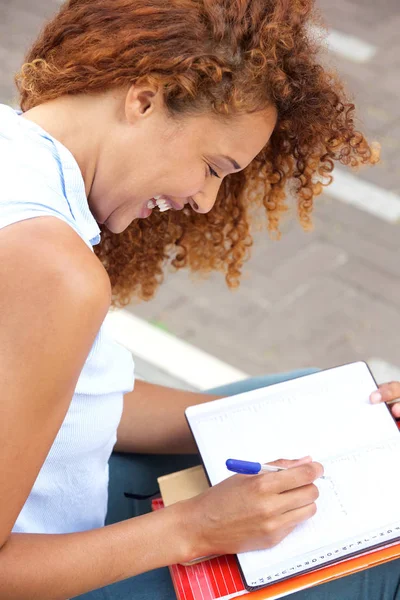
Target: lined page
(327,415)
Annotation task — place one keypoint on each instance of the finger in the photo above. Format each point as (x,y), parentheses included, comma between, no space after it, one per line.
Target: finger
(295,477)
(283,534)
(396,410)
(296,516)
(288,464)
(280,527)
(297,498)
(386,392)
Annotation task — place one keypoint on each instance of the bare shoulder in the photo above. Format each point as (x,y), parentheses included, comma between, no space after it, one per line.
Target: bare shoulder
(48,251)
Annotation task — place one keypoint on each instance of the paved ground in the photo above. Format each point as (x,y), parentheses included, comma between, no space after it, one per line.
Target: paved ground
(319,298)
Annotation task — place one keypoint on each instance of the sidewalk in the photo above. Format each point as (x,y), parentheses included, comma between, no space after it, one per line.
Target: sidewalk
(311,299)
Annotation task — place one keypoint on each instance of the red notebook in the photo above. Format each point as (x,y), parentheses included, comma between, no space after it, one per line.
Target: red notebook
(220,577)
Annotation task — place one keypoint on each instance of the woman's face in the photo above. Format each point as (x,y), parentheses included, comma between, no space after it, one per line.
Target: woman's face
(148,155)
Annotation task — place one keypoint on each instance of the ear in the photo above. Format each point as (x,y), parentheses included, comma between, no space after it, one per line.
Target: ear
(141,102)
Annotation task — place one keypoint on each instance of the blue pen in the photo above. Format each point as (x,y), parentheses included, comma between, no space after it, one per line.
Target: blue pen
(247,467)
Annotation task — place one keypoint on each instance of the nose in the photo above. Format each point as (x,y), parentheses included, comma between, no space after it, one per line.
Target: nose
(205,200)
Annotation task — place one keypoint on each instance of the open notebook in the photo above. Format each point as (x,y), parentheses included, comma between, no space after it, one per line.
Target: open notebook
(327,415)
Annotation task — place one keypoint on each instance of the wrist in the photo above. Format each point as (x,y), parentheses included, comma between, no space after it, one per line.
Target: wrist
(184,531)
(174,535)
(193,542)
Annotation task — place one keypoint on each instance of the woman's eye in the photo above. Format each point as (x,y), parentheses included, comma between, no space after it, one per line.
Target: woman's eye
(212,172)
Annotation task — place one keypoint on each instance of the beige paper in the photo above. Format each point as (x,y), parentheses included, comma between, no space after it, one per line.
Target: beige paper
(182,485)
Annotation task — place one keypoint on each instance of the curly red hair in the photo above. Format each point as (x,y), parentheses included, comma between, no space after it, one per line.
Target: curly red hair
(220,56)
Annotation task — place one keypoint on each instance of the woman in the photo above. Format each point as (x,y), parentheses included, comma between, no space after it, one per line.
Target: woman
(159,124)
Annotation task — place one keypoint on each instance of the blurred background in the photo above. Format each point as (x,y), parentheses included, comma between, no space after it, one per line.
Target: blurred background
(320,298)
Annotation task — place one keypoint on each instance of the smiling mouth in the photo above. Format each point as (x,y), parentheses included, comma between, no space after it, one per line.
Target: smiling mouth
(162,203)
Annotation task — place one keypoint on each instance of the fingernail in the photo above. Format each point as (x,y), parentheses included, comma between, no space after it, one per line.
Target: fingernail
(376,397)
(305,459)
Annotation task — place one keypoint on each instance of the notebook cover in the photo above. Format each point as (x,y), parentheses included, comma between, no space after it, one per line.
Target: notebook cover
(220,577)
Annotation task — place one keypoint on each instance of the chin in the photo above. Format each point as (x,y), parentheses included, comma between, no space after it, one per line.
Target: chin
(116,225)
(115,228)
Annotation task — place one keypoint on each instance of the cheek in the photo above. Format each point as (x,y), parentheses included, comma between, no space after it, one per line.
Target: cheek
(188,183)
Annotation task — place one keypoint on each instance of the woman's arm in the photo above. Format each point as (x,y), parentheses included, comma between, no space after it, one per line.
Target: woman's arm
(241,513)
(56,567)
(54,295)
(153,420)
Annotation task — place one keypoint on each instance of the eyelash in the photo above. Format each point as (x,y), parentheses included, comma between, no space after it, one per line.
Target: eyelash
(212,172)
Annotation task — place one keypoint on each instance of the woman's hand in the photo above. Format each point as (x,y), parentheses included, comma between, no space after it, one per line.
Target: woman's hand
(387,392)
(252,512)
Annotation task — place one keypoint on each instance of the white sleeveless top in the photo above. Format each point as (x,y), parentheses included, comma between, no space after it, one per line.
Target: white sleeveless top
(40,177)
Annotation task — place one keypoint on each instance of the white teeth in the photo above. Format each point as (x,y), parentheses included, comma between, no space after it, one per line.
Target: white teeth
(162,204)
